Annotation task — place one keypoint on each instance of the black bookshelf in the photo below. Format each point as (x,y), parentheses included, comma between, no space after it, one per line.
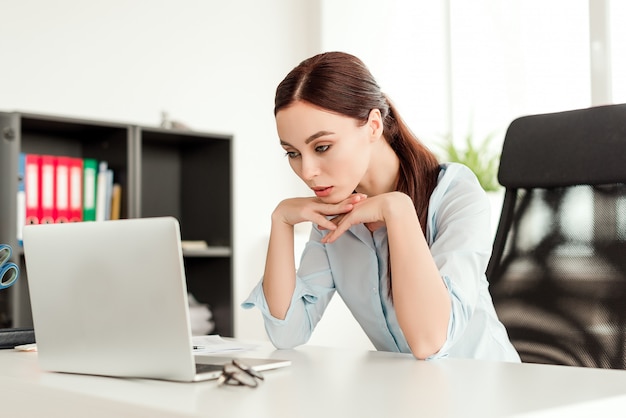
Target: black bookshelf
(163,172)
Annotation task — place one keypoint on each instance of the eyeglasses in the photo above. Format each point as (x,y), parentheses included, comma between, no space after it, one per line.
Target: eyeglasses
(237,373)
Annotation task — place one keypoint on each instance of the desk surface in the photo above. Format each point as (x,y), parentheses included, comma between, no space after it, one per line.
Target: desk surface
(323,382)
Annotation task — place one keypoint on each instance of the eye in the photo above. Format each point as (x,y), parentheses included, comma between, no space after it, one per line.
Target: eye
(322,148)
(292,154)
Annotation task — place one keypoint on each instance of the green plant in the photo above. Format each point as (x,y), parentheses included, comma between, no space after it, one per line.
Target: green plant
(478,156)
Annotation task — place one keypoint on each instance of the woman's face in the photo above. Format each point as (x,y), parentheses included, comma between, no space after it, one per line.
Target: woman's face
(329,152)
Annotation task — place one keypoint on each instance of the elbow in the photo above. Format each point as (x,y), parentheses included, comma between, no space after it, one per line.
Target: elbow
(422,353)
(284,340)
(285,344)
(423,349)
(280,345)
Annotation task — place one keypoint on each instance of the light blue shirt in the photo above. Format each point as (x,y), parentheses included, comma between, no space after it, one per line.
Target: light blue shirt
(355,266)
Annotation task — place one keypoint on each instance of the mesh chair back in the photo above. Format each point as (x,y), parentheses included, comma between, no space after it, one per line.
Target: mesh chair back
(558,269)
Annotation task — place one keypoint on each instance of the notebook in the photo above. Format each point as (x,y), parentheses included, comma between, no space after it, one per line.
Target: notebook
(110,298)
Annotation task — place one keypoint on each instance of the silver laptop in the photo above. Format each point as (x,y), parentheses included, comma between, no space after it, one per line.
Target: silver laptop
(110,298)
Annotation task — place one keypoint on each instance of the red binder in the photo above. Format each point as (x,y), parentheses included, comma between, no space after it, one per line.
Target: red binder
(76,189)
(61,190)
(31,188)
(47,189)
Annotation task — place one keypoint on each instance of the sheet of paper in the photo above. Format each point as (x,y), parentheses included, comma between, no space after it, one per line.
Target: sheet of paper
(206,344)
(26,347)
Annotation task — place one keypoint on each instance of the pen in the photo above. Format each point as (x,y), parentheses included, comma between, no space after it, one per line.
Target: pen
(198,347)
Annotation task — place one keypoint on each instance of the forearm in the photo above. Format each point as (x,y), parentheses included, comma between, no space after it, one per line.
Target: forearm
(279,279)
(420,297)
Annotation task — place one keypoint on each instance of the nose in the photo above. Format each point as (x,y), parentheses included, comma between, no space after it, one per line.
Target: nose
(310,167)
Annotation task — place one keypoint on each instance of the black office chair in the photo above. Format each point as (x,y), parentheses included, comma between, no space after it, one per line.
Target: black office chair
(558,269)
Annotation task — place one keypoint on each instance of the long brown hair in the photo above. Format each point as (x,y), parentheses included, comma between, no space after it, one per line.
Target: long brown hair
(341,83)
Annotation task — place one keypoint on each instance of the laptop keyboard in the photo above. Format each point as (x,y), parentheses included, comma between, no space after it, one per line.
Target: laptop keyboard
(204,368)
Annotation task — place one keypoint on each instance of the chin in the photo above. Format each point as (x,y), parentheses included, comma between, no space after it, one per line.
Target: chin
(333,200)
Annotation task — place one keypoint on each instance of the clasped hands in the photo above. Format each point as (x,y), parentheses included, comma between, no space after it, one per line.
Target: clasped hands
(357,208)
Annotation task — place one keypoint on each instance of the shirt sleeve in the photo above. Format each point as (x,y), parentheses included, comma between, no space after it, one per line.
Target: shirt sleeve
(461,247)
(313,291)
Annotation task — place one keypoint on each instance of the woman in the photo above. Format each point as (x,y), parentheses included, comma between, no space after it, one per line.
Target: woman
(404,240)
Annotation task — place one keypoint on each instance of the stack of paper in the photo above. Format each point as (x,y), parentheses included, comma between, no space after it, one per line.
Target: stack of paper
(200,317)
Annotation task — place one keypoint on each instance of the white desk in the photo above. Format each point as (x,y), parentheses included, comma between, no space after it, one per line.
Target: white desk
(323,382)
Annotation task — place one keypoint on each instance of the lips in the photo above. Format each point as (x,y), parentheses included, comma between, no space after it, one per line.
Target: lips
(322,191)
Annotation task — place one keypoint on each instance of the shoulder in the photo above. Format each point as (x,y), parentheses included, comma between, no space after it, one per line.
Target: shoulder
(457,196)
(455,174)
(456,178)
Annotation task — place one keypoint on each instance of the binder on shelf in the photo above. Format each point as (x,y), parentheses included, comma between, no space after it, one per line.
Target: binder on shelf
(31,188)
(58,189)
(47,189)
(103,192)
(109,194)
(75,189)
(62,189)
(90,172)
(21,196)
(116,201)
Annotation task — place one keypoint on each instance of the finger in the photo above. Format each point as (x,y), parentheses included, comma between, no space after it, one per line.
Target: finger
(336,233)
(331,237)
(335,220)
(357,197)
(336,209)
(323,224)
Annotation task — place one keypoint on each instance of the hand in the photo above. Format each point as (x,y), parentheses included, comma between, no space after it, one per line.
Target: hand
(372,226)
(302,209)
(370,212)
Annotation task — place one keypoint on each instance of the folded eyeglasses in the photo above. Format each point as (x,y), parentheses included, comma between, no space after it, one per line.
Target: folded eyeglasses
(237,373)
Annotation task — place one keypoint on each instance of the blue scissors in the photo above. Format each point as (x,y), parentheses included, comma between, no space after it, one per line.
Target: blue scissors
(9,272)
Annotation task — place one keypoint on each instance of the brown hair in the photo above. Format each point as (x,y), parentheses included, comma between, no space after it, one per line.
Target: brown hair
(341,83)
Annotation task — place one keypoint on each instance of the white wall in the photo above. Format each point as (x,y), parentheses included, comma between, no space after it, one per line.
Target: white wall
(212,64)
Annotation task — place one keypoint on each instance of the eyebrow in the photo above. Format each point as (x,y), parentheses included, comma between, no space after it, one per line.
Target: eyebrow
(311,138)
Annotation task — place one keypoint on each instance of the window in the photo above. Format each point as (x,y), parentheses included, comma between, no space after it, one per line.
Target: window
(500,59)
